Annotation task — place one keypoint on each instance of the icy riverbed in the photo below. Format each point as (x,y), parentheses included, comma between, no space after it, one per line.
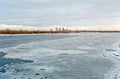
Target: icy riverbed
(62,56)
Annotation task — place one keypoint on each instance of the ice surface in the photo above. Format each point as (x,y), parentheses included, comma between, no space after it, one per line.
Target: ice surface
(78,56)
(117,53)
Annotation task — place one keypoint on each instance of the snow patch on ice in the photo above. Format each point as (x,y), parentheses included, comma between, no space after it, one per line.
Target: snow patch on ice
(36,53)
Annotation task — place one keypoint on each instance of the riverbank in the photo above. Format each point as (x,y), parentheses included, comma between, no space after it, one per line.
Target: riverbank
(9,31)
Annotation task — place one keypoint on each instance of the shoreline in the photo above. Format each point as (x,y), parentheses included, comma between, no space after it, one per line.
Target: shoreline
(61,33)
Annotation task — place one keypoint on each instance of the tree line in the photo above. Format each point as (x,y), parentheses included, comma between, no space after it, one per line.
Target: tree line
(9,31)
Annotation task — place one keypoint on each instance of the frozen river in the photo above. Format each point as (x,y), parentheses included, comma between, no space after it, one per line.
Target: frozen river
(58,56)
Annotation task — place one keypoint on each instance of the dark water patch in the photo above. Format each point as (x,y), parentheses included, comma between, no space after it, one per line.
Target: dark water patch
(2,70)
(4,61)
(2,54)
(9,61)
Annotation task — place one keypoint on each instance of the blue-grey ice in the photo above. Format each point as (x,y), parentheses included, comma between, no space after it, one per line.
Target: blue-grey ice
(60,56)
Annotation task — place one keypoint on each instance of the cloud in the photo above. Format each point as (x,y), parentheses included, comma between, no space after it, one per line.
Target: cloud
(60,12)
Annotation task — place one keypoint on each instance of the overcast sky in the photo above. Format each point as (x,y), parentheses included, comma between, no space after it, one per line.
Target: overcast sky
(60,12)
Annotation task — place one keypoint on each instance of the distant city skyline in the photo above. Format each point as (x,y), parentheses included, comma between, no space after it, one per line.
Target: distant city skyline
(47,14)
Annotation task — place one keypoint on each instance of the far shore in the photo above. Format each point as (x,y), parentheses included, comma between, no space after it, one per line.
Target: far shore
(8,31)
